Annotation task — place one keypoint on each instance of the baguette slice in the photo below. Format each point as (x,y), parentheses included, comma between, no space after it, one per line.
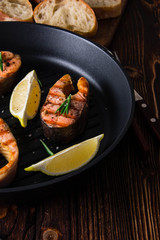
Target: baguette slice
(73,15)
(4,17)
(106,8)
(16,10)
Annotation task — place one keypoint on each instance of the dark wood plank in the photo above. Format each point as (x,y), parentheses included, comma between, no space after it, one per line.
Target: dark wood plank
(139,55)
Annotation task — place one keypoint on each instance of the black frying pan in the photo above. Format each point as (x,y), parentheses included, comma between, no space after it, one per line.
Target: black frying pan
(53,52)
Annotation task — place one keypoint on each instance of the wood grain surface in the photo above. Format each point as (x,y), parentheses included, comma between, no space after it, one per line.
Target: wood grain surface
(119,199)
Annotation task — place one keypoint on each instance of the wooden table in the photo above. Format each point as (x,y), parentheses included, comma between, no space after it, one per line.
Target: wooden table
(119,199)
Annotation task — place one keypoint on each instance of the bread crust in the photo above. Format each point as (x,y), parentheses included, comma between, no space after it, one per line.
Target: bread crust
(4,17)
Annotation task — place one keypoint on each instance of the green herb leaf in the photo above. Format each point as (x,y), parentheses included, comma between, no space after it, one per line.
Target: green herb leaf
(68,103)
(40,83)
(64,108)
(1,62)
(47,148)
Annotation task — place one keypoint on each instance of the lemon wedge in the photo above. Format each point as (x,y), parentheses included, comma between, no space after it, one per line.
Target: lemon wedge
(69,159)
(25,98)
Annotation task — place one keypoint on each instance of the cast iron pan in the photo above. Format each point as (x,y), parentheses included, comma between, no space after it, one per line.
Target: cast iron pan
(53,52)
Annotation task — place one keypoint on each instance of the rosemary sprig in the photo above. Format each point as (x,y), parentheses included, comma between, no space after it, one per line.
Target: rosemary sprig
(1,62)
(47,148)
(40,83)
(64,108)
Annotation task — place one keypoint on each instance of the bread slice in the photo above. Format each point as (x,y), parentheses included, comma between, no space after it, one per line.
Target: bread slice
(4,17)
(106,8)
(73,15)
(18,10)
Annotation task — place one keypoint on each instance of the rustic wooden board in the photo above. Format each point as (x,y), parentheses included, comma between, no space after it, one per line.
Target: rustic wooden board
(107,29)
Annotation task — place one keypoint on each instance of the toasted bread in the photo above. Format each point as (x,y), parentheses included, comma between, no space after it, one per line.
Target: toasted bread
(4,17)
(73,15)
(17,10)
